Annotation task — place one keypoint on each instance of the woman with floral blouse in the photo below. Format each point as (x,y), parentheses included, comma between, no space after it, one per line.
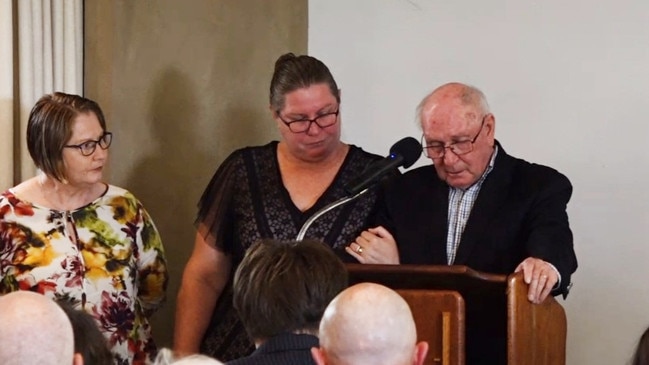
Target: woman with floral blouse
(68,235)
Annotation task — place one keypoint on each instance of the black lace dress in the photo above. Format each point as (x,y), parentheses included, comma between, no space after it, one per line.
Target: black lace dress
(246,201)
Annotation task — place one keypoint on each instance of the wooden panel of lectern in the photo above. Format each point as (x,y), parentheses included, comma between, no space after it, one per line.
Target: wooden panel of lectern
(470,317)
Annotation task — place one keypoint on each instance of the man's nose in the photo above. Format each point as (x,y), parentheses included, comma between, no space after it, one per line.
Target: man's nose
(449,157)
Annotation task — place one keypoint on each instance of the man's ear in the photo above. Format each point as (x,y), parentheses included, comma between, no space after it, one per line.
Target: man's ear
(318,356)
(491,122)
(421,350)
(77,359)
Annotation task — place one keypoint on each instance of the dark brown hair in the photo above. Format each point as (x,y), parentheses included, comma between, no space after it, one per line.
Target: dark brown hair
(295,72)
(88,340)
(49,127)
(285,286)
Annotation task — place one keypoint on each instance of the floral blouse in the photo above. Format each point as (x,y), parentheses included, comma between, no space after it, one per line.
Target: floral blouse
(114,269)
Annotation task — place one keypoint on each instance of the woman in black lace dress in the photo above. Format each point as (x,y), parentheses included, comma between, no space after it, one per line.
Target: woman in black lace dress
(269,192)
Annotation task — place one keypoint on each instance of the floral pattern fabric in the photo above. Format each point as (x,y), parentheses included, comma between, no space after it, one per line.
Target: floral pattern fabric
(105,258)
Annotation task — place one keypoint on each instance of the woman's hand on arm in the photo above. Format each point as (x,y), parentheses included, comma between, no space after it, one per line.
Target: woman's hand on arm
(205,275)
(374,246)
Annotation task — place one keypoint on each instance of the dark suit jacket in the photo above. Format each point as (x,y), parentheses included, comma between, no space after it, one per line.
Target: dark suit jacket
(520,212)
(283,349)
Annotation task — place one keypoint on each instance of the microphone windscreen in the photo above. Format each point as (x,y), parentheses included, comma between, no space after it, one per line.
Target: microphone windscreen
(409,149)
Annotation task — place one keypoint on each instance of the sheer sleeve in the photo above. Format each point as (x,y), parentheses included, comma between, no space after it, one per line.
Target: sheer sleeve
(214,219)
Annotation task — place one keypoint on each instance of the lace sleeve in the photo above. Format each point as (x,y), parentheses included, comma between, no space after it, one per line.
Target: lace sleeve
(214,219)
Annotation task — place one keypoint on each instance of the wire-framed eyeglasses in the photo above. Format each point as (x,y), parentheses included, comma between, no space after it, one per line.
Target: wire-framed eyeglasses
(87,148)
(459,148)
(303,125)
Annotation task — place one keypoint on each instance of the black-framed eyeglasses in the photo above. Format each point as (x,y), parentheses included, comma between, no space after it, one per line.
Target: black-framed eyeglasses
(87,148)
(458,148)
(303,125)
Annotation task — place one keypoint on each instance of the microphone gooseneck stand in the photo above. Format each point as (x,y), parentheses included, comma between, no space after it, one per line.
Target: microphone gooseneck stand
(323,210)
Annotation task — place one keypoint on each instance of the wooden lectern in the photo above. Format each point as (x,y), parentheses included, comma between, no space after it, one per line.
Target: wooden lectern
(470,317)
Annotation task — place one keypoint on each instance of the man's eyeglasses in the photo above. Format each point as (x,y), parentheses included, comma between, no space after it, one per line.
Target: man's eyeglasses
(303,125)
(88,148)
(458,148)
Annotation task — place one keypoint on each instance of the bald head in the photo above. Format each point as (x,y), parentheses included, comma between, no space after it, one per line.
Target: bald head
(456,95)
(368,324)
(166,357)
(34,330)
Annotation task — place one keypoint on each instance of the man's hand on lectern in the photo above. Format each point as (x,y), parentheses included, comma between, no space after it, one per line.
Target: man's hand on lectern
(541,276)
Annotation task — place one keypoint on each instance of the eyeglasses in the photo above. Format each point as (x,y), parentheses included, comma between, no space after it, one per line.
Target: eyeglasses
(88,148)
(458,148)
(303,125)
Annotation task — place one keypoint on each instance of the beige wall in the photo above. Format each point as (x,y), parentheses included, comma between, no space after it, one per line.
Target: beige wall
(183,83)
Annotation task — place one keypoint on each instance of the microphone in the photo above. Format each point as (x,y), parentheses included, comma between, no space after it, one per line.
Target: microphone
(403,153)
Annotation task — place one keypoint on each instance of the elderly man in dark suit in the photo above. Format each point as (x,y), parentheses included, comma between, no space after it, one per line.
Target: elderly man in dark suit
(475,205)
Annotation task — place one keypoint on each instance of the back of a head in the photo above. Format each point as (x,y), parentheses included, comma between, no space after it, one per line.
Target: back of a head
(285,286)
(34,330)
(88,339)
(166,357)
(197,360)
(368,324)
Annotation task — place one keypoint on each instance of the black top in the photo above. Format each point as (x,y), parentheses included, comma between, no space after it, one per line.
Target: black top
(520,212)
(246,201)
(283,349)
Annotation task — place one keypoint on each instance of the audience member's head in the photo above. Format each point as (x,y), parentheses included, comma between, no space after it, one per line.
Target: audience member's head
(369,324)
(166,357)
(285,286)
(641,355)
(88,339)
(34,330)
